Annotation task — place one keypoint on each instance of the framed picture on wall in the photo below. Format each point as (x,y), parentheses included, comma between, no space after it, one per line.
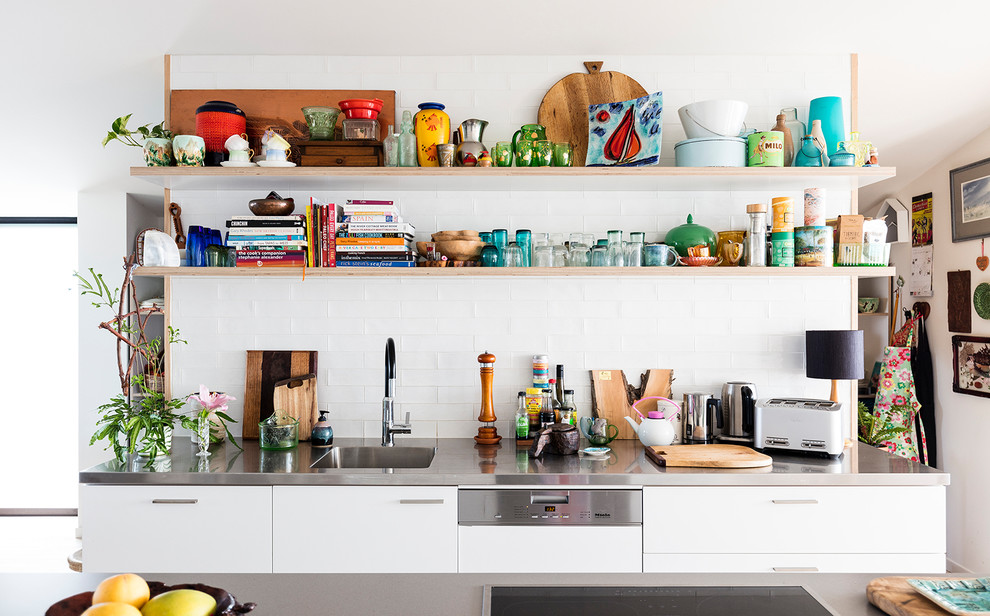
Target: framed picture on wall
(970,186)
(971,365)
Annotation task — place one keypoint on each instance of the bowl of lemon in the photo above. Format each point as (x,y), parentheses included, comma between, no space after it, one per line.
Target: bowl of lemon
(129,594)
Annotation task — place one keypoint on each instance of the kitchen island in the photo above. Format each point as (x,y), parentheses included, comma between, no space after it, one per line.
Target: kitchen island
(469,508)
(320,595)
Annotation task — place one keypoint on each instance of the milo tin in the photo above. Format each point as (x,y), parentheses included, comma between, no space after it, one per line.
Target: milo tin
(813,246)
(782,243)
(766,149)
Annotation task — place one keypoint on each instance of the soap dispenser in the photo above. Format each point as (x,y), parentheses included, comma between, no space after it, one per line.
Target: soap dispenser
(322,435)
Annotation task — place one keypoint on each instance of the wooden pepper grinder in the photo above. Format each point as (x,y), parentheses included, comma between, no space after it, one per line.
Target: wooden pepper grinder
(487,434)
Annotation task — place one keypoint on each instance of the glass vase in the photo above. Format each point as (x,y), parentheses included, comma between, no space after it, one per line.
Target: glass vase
(203,435)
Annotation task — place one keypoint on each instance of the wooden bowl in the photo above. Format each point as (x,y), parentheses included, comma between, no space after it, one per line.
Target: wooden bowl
(461,250)
(441,236)
(271,207)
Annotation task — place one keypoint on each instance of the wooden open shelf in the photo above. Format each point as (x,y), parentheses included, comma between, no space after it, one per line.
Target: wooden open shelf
(488,272)
(513,178)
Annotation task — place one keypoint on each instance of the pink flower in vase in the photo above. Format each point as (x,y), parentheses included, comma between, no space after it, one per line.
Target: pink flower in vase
(211,401)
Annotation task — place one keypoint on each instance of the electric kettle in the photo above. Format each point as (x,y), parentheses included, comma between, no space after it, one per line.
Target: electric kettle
(739,410)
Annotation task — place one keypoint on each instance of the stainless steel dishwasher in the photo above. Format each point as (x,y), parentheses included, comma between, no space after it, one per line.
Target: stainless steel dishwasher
(524,530)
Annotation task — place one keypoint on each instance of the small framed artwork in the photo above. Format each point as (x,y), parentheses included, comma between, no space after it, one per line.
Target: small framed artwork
(971,365)
(970,186)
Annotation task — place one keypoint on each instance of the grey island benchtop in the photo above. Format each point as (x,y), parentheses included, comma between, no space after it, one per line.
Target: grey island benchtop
(460,462)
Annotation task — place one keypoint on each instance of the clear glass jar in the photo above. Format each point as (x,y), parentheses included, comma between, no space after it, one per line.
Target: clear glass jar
(513,256)
(391,146)
(616,256)
(754,250)
(599,256)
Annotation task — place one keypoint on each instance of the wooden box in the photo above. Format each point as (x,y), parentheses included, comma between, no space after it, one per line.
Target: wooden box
(352,153)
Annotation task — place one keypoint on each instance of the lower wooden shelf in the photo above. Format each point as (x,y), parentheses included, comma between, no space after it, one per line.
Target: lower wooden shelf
(487,272)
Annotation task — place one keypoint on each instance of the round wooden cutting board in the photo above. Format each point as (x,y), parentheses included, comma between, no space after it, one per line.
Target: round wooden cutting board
(564,110)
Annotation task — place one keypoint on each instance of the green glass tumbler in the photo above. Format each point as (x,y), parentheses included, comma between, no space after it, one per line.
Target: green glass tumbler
(563,155)
(542,153)
(503,154)
(524,154)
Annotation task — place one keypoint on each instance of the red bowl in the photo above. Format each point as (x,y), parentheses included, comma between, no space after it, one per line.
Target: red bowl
(362,103)
(359,113)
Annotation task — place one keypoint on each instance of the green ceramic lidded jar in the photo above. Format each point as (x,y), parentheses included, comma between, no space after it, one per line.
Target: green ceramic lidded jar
(682,237)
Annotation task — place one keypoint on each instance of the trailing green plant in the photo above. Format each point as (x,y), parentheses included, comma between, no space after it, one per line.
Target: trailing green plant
(142,426)
(875,430)
(119,132)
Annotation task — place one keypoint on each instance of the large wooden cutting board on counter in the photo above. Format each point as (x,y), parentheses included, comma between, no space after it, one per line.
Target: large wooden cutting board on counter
(896,597)
(264,370)
(564,110)
(297,397)
(708,456)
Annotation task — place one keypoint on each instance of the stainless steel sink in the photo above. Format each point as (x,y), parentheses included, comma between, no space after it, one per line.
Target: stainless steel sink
(377,457)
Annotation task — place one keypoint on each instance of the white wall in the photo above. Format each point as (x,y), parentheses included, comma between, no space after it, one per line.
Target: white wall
(961,420)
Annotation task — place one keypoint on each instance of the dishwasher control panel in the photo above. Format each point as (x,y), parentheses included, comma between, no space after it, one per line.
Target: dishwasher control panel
(553,507)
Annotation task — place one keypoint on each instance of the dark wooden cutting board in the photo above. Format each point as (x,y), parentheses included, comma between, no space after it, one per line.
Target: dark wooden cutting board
(264,370)
(564,110)
(896,597)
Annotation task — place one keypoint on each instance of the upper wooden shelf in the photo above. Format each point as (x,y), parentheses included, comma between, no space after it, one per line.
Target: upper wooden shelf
(513,178)
(515,272)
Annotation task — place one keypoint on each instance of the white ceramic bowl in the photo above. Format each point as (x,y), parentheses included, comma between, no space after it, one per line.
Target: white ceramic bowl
(719,118)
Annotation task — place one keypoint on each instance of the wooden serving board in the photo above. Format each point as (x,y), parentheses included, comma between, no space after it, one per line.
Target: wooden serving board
(297,396)
(896,597)
(708,456)
(264,370)
(610,399)
(280,110)
(564,110)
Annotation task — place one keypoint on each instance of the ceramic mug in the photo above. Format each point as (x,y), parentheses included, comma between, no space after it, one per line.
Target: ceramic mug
(274,140)
(241,156)
(190,150)
(237,143)
(277,154)
(660,255)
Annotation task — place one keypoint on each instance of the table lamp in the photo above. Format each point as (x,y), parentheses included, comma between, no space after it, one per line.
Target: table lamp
(834,354)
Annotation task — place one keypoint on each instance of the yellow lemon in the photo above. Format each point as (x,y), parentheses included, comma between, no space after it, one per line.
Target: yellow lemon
(123,588)
(181,602)
(113,608)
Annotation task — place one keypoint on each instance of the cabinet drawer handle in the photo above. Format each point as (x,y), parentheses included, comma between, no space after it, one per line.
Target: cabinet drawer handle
(795,569)
(806,501)
(420,501)
(175,501)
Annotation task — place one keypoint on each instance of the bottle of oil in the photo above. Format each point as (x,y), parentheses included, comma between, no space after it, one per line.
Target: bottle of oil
(522,419)
(568,405)
(546,413)
(554,401)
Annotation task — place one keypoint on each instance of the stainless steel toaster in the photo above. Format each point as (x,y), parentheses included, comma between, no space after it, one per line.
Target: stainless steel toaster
(798,424)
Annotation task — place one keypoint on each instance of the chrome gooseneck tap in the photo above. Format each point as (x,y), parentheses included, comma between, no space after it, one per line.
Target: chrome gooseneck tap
(389,427)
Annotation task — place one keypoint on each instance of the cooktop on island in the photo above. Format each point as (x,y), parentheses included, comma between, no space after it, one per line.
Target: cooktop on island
(651,600)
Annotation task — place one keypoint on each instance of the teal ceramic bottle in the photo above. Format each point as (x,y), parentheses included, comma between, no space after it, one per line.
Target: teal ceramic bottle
(322,435)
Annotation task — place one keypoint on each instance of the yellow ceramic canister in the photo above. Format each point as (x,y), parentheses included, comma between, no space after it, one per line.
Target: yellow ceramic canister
(432,126)
(783,214)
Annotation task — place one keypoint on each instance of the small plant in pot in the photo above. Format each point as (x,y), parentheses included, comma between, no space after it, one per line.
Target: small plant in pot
(156,141)
(140,419)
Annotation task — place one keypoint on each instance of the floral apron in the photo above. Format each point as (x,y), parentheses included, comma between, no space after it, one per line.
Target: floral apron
(896,400)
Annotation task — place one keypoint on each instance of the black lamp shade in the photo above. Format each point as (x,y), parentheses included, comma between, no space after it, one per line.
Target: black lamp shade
(834,354)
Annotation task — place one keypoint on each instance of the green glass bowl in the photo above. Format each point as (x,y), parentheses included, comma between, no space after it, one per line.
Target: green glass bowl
(275,438)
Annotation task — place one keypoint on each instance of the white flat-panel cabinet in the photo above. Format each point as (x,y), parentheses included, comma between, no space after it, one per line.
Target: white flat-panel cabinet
(825,528)
(365,529)
(176,529)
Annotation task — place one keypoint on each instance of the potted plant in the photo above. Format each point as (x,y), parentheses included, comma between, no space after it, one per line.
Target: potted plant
(141,422)
(156,141)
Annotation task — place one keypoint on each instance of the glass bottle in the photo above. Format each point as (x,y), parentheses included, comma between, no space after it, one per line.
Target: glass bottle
(559,391)
(546,409)
(501,237)
(810,155)
(797,127)
(615,257)
(407,142)
(195,246)
(569,404)
(860,148)
(522,419)
(391,146)
(554,401)
(755,250)
(781,126)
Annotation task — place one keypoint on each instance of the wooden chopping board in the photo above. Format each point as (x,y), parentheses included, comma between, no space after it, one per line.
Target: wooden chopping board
(896,597)
(612,396)
(564,110)
(264,369)
(297,396)
(708,456)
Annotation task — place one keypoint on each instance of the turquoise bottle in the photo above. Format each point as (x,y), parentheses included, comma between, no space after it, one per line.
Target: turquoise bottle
(810,155)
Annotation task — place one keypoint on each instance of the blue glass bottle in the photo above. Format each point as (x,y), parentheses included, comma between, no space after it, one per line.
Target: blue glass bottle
(810,155)
(524,239)
(501,240)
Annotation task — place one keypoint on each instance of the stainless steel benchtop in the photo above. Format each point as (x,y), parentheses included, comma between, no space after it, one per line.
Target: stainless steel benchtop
(460,462)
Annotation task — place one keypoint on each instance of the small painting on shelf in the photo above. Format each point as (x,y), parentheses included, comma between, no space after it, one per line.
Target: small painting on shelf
(971,365)
(626,133)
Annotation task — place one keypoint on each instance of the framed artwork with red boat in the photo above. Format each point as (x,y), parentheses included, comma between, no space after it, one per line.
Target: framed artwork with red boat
(626,133)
